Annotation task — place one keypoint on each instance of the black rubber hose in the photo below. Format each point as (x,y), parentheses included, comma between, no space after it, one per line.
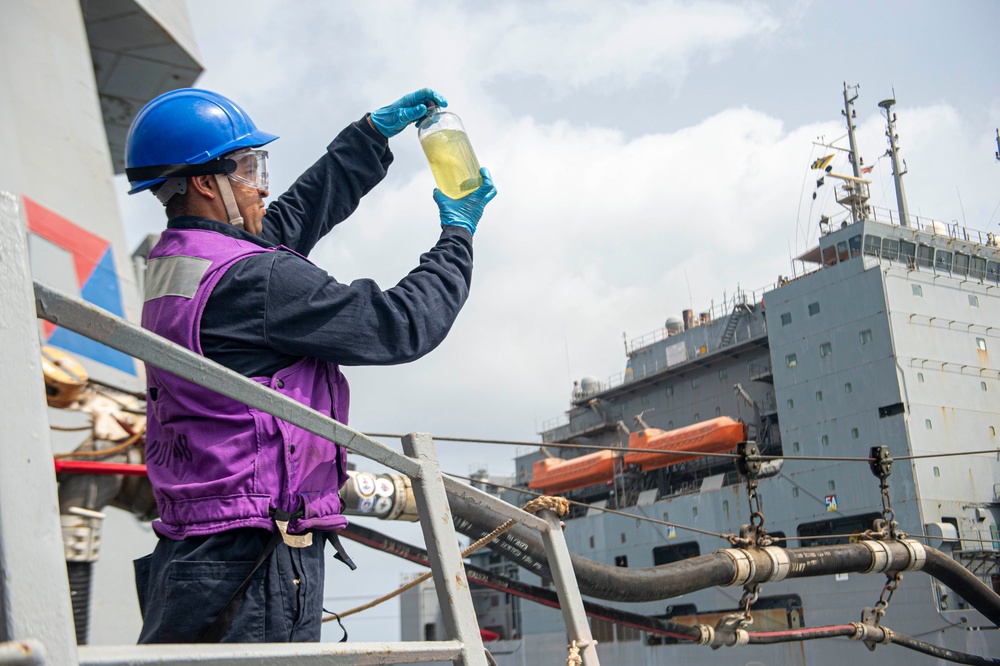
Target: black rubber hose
(942,653)
(612,583)
(771,637)
(848,630)
(656,625)
(524,546)
(527,591)
(964,582)
(80,578)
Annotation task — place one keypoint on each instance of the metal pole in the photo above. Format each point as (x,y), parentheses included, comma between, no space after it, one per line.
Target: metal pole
(450,582)
(570,600)
(34,590)
(89,320)
(897,171)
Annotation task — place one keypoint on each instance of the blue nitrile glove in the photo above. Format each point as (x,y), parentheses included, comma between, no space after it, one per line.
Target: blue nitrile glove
(391,120)
(465,212)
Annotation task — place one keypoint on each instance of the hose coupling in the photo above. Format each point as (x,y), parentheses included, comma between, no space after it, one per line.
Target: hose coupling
(883,559)
(871,635)
(744,564)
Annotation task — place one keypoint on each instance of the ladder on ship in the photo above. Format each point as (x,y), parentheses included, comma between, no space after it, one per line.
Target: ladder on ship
(36,619)
(729,332)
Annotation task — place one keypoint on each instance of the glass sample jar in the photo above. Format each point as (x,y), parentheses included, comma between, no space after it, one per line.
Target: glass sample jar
(449,153)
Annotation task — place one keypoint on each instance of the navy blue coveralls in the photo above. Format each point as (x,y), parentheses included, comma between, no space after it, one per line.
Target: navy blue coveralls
(266,313)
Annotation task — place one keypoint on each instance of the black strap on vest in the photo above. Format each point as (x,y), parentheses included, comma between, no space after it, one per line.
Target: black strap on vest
(341,554)
(224,619)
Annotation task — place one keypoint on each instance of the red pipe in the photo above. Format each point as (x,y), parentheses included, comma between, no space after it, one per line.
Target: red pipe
(101,468)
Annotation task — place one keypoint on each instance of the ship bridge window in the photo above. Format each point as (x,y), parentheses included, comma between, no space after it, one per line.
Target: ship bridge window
(925,256)
(843,530)
(890,248)
(993,271)
(854,242)
(842,251)
(791,361)
(872,245)
(786,318)
(830,255)
(961,264)
(942,260)
(675,553)
(917,290)
(907,252)
(973,300)
(813,309)
(977,268)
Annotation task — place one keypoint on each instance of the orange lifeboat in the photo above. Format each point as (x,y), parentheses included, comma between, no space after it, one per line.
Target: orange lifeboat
(556,475)
(718,435)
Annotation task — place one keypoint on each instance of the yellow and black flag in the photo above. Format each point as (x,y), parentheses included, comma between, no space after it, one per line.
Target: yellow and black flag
(822,162)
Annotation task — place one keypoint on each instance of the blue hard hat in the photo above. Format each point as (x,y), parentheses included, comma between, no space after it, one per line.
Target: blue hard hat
(182,128)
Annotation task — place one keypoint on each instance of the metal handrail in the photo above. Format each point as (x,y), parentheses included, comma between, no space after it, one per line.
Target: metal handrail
(419,463)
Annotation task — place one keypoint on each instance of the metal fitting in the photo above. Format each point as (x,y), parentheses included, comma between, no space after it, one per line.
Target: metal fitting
(743,562)
(871,635)
(707,634)
(881,556)
(81,533)
(918,555)
(781,564)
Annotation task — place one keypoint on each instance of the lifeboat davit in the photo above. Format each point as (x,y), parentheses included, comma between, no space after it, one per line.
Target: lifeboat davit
(557,475)
(718,435)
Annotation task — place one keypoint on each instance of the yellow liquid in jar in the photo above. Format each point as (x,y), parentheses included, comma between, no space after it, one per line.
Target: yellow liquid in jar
(454,165)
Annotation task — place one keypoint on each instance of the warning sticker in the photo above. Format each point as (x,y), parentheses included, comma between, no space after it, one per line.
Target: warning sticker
(365,484)
(384,487)
(366,504)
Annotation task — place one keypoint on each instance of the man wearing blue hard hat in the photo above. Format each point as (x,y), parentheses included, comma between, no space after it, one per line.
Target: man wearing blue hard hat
(246,501)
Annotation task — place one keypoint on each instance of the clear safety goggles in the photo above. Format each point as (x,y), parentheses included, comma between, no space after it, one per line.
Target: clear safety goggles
(251,168)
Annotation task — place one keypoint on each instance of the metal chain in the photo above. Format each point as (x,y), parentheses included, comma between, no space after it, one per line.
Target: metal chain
(749,465)
(889,522)
(874,615)
(750,594)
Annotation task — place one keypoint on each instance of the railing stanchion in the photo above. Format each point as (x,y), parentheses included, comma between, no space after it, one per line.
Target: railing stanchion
(561,566)
(441,540)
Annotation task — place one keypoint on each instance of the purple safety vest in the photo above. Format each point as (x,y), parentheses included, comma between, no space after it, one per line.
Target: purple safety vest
(215,463)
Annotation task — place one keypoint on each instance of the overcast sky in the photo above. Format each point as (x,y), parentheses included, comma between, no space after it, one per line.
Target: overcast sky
(649,157)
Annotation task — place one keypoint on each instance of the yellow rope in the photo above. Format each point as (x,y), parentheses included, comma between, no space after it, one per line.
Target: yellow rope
(557,504)
(574,658)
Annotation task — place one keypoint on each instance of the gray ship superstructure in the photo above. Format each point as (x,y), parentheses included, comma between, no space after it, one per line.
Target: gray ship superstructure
(883,339)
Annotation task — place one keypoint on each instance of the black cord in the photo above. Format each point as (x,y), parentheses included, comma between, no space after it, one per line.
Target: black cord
(337,618)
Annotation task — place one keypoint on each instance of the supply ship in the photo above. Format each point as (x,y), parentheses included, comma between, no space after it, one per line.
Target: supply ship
(852,402)
(883,338)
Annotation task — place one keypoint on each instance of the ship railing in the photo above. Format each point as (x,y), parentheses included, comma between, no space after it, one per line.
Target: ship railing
(37,618)
(716,310)
(951,229)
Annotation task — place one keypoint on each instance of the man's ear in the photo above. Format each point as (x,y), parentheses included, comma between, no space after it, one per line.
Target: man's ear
(204,185)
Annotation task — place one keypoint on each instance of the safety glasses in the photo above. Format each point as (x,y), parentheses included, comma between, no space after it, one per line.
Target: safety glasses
(251,168)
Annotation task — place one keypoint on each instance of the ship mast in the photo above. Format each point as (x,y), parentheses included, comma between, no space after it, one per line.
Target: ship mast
(859,197)
(893,152)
